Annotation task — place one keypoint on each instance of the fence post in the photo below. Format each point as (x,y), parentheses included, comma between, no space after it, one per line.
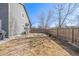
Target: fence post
(72,35)
(57,33)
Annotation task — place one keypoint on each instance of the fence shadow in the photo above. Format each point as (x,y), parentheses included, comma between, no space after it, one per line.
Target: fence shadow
(72,50)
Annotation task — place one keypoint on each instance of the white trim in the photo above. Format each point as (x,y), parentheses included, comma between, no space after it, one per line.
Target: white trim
(8,19)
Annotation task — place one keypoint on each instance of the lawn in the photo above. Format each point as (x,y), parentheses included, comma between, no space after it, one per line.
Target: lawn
(32,46)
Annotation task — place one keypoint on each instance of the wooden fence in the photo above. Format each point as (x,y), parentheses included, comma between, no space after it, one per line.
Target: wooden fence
(70,35)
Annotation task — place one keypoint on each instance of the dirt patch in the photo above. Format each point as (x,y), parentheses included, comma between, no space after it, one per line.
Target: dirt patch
(32,46)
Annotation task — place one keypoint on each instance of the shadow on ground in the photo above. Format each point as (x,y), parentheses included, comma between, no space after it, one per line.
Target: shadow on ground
(72,50)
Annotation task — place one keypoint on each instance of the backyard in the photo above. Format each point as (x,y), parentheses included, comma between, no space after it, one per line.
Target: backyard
(33,44)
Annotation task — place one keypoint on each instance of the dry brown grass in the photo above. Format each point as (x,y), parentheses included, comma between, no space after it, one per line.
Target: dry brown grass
(32,46)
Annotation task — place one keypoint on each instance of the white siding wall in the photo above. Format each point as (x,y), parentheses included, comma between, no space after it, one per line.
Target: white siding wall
(17,19)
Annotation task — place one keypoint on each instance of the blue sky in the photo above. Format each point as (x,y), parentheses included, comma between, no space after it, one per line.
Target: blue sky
(34,9)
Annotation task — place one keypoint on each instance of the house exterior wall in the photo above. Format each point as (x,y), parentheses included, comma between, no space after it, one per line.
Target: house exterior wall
(0,24)
(17,19)
(13,18)
(4,17)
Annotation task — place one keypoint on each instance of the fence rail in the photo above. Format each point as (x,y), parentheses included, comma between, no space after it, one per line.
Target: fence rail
(69,34)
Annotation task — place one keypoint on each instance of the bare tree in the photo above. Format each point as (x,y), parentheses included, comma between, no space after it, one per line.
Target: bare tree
(64,10)
(41,20)
(49,16)
(44,20)
(77,20)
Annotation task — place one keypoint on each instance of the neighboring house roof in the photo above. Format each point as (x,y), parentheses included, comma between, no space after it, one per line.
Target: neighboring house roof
(26,13)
